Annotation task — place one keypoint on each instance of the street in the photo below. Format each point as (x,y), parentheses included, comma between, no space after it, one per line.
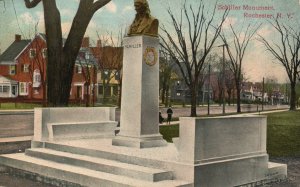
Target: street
(216,109)
(16,123)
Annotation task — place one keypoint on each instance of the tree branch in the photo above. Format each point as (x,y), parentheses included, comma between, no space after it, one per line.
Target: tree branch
(99,4)
(32,4)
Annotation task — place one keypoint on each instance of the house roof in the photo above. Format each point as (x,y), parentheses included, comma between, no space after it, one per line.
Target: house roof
(13,51)
(108,57)
(81,57)
(6,80)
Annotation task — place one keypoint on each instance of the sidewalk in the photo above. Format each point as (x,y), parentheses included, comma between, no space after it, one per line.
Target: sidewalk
(17,111)
(243,114)
(172,123)
(15,139)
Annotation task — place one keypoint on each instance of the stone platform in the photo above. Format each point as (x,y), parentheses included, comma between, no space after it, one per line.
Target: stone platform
(95,162)
(209,152)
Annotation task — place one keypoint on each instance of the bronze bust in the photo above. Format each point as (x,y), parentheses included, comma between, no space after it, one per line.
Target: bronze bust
(144,23)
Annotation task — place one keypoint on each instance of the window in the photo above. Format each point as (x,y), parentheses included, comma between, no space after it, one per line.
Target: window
(79,69)
(105,74)
(115,90)
(23,88)
(117,76)
(14,90)
(107,90)
(12,69)
(36,78)
(26,68)
(44,53)
(4,89)
(87,56)
(32,53)
(100,89)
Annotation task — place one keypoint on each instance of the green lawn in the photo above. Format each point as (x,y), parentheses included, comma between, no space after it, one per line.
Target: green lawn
(283,136)
(169,132)
(283,133)
(7,106)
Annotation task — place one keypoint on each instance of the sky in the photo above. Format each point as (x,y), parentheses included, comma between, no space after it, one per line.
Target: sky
(15,18)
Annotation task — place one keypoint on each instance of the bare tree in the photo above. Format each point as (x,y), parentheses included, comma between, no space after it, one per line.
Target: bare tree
(286,51)
(61,57)
(194,31)
(109,53)
(229,83)
(228,79)
(38,64)
(166,76)
(89,70)
(236,53)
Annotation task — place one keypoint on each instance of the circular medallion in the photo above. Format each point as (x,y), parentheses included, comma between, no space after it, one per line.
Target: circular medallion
(150,56)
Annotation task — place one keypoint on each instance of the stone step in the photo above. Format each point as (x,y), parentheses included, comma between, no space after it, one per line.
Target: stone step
(46,170)
(100,164)
(110,154)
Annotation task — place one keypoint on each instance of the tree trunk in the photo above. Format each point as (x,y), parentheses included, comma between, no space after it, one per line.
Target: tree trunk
(54,49)
(293,96)
(194,94)
(104,91)
(163,93)
(61,58)
(229,96)
(87,102)
(238,97)
(120,93)
(167,96)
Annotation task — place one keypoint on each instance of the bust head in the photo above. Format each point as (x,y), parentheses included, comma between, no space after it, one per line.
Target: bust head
(144,23)
(142,7)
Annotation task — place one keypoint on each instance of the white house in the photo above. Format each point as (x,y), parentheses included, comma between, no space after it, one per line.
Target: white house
(8,87)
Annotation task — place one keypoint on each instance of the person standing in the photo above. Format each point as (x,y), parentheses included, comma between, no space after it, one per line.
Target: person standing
(161,119)
(170,113)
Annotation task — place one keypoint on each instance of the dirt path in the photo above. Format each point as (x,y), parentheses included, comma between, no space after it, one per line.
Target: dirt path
(293,172)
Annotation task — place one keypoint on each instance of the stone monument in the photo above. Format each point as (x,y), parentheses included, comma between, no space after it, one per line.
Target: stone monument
(140,89)
(79,146)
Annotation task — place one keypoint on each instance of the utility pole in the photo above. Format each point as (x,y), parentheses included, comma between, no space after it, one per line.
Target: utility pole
(263,94)
(223,81)
(208,97)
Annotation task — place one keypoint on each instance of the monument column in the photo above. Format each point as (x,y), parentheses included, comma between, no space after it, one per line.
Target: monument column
(140,85)
(139,126)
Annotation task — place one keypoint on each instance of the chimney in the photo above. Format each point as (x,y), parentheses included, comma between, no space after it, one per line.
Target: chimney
(99,43)
(85,42)
(17,38)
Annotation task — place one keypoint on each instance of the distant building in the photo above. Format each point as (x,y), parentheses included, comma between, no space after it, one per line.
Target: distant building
(180,92)
(23,70)
(110,61)
(253,92)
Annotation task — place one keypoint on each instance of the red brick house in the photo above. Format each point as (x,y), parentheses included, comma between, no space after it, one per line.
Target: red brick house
(23,71)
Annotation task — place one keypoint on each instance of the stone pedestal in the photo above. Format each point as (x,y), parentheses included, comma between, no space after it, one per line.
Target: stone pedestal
(140,94)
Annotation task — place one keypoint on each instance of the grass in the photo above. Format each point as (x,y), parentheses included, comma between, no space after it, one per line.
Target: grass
(8,106)
(283,134)
(169,132)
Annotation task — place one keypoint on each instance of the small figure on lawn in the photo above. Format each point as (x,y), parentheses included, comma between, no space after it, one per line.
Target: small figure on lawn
(161,119)
(170,113)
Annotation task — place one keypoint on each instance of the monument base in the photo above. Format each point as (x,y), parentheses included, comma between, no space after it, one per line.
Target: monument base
(139,142)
